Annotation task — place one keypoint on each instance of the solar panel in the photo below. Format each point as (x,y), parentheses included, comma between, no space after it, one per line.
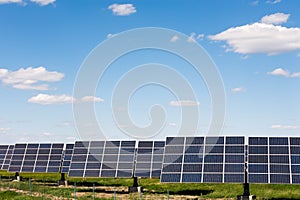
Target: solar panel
(269,159)
(7,158)
(36,158)
(67,158)
(149,158)
(3,152)
(102,159)
(204,159)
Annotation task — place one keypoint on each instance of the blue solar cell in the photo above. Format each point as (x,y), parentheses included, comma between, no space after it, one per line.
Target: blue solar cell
(279,159)
(284,169)
(144,158)
(58,146)
(213,159)
(127,150)
(295,141)
(32,146)
(278,141)
(295,159)
(258,178)
(296,179)
(91,173)
(258,141)
(234,158)
(212,178)
(157,158)
(112,144)
(111,151)
(258,150)
(127,143)
(108,173)
(126,158)
(234,149)
(125,166)
(110,158)
(193,149)
(235,140)
(192,168)
(234,168)
(111,166)
(234,178)
(295,150)
(76,173)
(159,144)
(155,173)
(173,149)
(279,150)
(96,165)
(191,178)
(77,166)
(258,159)
(20,146)
(175,141)
(97,144)
(170,178)
(193,158)
(279,178)
(124,173)
(81,144)
(214,140)
(80,151)
(45,146)
(295,169)
(142,173)
(157,165)
(214,149)
(213,167)
(172,168)
(258,168)
(194,141)
(172,159)
(145,144)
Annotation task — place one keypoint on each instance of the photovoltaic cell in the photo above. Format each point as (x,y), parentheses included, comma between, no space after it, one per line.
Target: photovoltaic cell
(204,159)
(102,159)
(36,158)
(149,158)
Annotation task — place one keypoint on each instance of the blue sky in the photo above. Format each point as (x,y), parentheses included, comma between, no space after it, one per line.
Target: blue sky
(255,45)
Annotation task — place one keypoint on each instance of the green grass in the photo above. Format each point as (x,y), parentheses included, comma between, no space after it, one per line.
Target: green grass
(46,184)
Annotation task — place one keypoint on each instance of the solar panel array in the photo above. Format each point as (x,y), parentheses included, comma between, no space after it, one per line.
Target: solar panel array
(203,159)
(103,159)
(36,158)
(149,159)
(67,157)
(274,160)
(3,152)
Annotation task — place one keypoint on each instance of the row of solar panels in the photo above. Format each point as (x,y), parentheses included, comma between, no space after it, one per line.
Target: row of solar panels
(178,159)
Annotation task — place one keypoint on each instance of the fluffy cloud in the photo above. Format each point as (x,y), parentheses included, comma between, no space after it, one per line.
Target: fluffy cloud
(10,1)
(29,78)
(261,37)
(122,9)
(289,127)
(283,72)
(4,130)
(277,18)
(184,103)
(43,2)
(46,99)
(91,99)
(238,90)
(273,1)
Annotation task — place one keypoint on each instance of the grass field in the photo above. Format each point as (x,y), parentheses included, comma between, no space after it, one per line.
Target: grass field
(43,186)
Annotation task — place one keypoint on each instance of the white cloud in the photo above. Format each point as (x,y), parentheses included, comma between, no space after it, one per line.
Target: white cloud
(91,99)
(273,1)
(238,90)
(281,127)
(283,72)
(277,18)
(46,99)
(29,78)
(172,124)
(110,35)
(47,134)
(184,103)
(43,2)
(260,38)
(10,1)
(174,38)
(122,9)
